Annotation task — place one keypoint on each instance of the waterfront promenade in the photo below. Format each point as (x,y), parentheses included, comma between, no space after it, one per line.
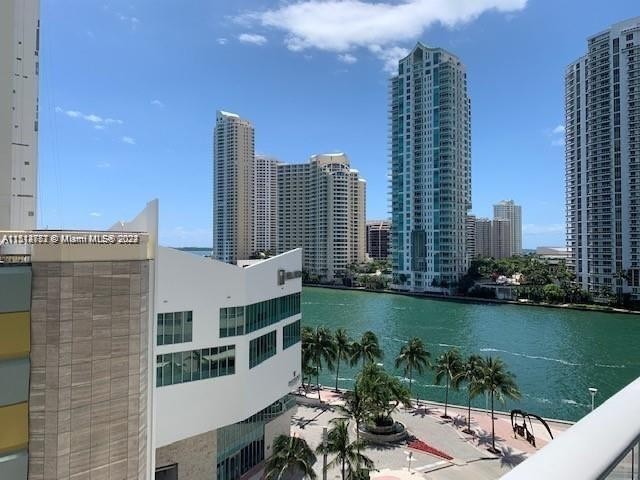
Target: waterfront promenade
(469,455)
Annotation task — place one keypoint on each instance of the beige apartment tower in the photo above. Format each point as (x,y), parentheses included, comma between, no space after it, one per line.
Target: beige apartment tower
(321,208)
(507,209)
(265,208)
(491,238)
(19,45)
(233,171)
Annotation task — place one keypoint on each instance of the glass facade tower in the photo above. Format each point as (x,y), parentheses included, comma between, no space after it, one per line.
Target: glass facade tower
(430,140)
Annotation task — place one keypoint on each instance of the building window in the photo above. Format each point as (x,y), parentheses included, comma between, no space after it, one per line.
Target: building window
(174,327)
(241,320)
(262,348)
(290,334)
(189,366)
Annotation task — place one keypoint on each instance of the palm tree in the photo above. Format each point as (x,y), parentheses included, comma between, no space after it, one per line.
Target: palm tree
(497,381)
(448,365)
(290,454)
(322,350)
(469,374)
(342,344)
(367,349)
(347,453)
(355,407)
(414,356)
(382,393)
(307,367)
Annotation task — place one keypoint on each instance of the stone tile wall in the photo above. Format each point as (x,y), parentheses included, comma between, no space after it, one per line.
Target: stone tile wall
(195,456)
(89,351)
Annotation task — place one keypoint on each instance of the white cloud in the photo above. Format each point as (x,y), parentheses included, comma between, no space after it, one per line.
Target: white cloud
(132,21)
(347,58)
(103,165)
(389,56)
(557,136)
(222,41)
(344,25)
(252,38)
(113,120)
(95,214)
(538,229)
(157,103)
(128,140)
(98,121)
(93,118)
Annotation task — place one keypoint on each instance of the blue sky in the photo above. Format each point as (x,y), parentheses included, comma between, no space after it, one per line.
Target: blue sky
(129,91)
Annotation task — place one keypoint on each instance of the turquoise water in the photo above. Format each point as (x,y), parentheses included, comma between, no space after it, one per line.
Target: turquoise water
(556,354)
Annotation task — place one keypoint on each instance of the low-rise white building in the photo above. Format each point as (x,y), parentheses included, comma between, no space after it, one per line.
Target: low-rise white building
(227,355)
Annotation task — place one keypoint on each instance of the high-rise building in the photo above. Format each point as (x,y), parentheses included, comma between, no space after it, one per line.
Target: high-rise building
(483,237)
(430,132)
(378,239)
(489,238)
(509,210)
(291,191)
(321,208)
(76,354)
(265,209)
(602,133)
(101,341)
(233,186)
(471,237)
(19,46)
(501,238)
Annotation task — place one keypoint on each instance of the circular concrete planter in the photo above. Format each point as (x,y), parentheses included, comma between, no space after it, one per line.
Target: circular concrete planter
(384,434)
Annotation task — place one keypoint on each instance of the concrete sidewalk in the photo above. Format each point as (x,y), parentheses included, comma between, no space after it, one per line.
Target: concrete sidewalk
(471,457)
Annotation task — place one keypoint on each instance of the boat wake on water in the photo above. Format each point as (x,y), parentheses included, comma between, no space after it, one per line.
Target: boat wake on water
(533,357)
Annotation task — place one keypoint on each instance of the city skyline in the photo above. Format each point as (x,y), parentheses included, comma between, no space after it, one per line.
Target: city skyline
(125,129)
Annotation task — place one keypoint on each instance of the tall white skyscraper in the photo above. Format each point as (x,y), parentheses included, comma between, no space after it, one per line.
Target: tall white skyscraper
(508,210)
(430,132)
(19,45)
(265,198)
(321,208)
(602,110)
(233,186)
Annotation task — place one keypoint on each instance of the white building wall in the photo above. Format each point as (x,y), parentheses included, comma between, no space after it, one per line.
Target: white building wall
(188,282)
(19,44)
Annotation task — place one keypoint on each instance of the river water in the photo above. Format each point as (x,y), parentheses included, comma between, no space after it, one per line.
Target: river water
(556,354)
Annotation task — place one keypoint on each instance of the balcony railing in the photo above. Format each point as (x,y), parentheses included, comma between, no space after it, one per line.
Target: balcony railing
(604,445)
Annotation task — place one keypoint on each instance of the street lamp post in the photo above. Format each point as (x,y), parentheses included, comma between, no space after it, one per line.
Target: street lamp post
(593,392)
(409,458)
(325,439)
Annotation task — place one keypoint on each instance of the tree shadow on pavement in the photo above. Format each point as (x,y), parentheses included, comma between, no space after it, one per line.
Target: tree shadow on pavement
(484,438)
(510,458)
(422,412)
(301,421)
(459,421)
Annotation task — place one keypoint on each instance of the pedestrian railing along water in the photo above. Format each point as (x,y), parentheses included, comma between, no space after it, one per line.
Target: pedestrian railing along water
(603,445)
